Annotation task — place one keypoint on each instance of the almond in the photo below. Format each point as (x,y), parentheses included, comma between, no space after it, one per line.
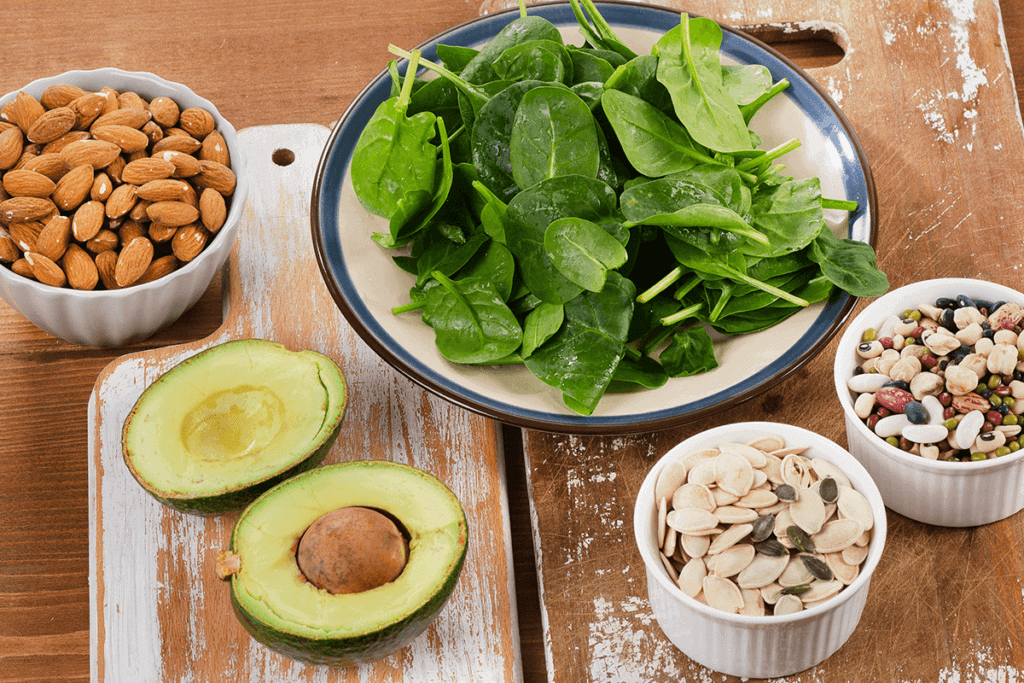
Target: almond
(22,268)
(215,149)
(45,270)
(185,165)
(139,212)
(133,118)
(133,261)
(131,229)
(106,264)
(73,188)
(154,132)
(22,183)
(88,108)
(185,144)
(64,140)
(212,209)
(25,234)
(160,233)
(51,125)
(144,170)
(105,240)
(88,221)
(95,153)
(23,111)
(80,269)
(60,95)
(121,200)
(9,252)
(48,164)
(165,190)
(131,100)
(18,209)
(101,187)
(216,176)
(54,238)
(11,144)
(115,168)
(128,139)
(165,265)
(171,213)
(26,156)
(189,241)
(197,122)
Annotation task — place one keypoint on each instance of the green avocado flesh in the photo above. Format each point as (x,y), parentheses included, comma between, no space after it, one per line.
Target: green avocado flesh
(225,425)
(281,609)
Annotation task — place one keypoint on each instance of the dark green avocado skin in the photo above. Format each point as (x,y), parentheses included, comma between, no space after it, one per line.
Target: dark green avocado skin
(234,500)
(356,649)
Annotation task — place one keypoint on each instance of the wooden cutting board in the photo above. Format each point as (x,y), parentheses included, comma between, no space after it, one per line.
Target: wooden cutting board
(928,88)
(158,612)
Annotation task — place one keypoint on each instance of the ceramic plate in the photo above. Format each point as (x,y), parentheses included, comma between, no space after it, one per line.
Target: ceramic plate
(366,284)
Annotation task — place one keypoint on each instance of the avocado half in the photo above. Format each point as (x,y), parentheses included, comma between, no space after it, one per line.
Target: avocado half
(220,428)
(280,608)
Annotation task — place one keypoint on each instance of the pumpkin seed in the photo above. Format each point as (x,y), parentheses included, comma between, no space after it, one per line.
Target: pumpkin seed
(797,589)
(808,512)
(771,593)
(825,468)
(786,493)
(772,548)
(818,568)
(662,527)
(795,572)
(668,566)
(762,570)
(843,570)
(829,490)
(729,538)
(734,560)
(855,554)
(799,538)
(791,450)
(733,473)
(694,458)
(691,578)
(837,535)
(820,590)
(768,443)
(853,505)
(722,594)
(763,528)
(669,479)
(753,604)
(773,469)
(757,499)
(691,520)
(727,514)
(723,497)
(670,542)
(693,495)
(753,455)
(694,546)
(788,604)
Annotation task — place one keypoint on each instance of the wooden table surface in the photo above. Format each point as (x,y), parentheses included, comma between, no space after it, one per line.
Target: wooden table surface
(274,62)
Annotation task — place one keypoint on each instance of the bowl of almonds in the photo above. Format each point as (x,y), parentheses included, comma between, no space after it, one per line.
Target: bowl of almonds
(759,540)
(931,381)
(120,197)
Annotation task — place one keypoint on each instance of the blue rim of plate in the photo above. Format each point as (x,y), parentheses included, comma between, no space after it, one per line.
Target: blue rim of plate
(803,90)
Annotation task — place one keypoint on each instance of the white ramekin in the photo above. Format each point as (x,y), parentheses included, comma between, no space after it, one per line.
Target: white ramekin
(114,318)
(746,646)
(954,494)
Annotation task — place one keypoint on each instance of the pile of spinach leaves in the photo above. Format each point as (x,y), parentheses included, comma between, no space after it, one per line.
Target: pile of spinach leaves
(588,211)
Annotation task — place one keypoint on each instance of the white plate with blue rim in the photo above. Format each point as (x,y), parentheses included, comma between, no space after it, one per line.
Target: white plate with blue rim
(366,284)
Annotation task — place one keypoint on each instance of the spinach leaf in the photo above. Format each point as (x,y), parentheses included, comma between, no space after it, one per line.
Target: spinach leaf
(393,158)
(541,323)
(455,57)
(746,82)
(690,68)
(553,134)
(493,262)
(600,35)
(653,142)
(634,374)
(790,214)
(591,65)
(471,322)
(639,77)
(849,264)
(540,60)
(531,212)
(581,358)
(583,251)
(480,69)
(690,352)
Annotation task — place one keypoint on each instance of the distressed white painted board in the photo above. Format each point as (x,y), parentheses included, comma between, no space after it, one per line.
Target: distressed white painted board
(158,612)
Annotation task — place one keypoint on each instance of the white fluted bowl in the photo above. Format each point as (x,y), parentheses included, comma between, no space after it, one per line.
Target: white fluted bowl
(746,646)
(115,318)
(954,494)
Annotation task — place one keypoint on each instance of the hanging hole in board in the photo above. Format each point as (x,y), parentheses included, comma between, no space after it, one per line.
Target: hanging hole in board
(283,157)
(808,44)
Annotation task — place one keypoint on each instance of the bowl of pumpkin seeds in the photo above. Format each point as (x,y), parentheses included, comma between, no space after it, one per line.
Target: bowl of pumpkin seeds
(931,385)
(759,537)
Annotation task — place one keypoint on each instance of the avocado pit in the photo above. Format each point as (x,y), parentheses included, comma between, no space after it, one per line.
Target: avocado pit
(351,550)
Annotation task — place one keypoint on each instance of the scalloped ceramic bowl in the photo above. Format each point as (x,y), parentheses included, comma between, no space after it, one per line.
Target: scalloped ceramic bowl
(954,494)
(366,284)
(115,318)
(747,646)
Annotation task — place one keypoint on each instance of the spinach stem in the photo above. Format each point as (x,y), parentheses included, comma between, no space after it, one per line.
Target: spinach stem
(410,77)
(769,156)
(633,353)
(838,204)
(405,308)
(522,8)
(658,338)
(681,315)
(748,110)
(471,91)
(765,287)
(687,286)
(661,285)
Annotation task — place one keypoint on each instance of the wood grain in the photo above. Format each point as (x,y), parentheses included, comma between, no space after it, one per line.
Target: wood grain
(928,88)
(159,612)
